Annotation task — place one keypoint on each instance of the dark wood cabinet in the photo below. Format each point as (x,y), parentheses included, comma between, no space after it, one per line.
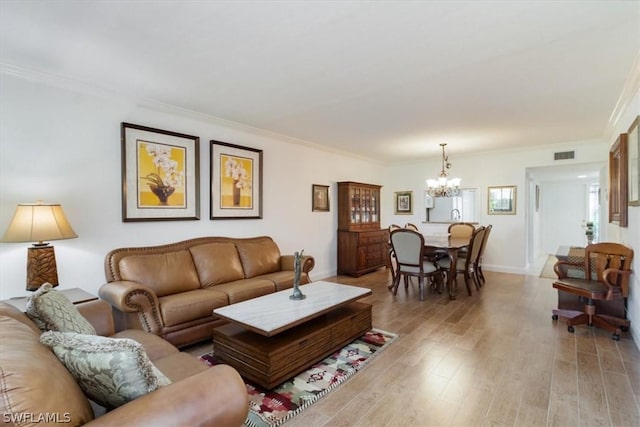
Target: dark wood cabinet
(362,244)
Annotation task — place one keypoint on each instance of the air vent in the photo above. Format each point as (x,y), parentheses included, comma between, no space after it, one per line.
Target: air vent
(564,155)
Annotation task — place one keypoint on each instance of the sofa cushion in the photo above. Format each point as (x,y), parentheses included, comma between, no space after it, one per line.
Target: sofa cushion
(110,371)
(154,346)
(53,311)
(260,257)
(192,305)
(178,366)
(284,279)
(32,379)
(245,289)
(167,273)
(217,263)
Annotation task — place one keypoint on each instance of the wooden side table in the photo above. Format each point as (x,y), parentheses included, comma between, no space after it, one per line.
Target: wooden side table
(76,295)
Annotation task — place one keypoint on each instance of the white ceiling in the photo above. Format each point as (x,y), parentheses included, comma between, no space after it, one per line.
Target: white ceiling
(384,80)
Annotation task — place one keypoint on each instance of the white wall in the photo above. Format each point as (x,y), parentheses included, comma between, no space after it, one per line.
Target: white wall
(564,213)
(62,146)
(629,235)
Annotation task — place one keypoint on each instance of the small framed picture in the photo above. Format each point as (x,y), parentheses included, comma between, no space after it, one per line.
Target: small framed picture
(502,200)
(319,198)
(160,174)
(404,203)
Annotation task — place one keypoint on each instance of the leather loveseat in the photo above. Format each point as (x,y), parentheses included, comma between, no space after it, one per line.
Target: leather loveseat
(171,290)
(36,389)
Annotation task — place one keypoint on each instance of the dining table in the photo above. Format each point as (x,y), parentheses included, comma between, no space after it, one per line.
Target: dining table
(450,245)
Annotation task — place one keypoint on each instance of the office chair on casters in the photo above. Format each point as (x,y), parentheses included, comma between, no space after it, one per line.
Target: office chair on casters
(607,267)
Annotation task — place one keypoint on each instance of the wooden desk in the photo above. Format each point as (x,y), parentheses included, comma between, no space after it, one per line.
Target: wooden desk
(451,245)
(75,295)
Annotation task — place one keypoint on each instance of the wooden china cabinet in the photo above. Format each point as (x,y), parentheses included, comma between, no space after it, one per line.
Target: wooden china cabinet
(362,244)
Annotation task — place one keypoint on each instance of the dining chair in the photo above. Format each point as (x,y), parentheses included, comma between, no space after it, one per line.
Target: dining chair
(408,246)
(410,226)
(478,265)
(466,265)
(607,267)
(391,256)
(461,229)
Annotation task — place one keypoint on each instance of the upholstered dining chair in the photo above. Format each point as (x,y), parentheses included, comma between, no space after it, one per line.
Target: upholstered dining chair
(408,246)
(391,256)
(478,265)
(461,229)
(410,226)
(466,265)
(607,267)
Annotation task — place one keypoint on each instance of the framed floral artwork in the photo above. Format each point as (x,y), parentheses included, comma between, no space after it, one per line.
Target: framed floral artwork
(319,198)
(236,181)
(160,174)
(404,203)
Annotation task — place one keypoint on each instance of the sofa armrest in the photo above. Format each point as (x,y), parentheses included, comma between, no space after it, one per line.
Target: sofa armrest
(99,314)
(215,397)
(133,297)
(286,263)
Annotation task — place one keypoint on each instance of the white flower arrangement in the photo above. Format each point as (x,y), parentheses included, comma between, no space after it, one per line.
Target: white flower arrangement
(235,170)
(167,173)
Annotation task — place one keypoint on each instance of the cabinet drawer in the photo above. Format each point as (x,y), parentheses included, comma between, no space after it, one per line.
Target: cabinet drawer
(355,324)
(375,237)
(298,352)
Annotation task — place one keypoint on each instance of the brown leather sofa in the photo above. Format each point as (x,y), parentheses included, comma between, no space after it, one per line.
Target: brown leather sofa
(36,389)
(171,290)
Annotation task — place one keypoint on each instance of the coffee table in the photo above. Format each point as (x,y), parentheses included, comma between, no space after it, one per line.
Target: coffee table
(272,338)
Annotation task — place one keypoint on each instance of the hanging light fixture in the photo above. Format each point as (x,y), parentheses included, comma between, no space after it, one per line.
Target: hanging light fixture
(443,186)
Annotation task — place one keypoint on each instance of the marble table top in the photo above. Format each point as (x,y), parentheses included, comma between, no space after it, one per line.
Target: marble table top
(273,313)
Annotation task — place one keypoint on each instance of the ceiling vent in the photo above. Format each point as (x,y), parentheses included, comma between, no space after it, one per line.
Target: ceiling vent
(564,155)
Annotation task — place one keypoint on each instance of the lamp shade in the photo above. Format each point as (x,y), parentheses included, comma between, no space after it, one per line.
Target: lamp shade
(38,222)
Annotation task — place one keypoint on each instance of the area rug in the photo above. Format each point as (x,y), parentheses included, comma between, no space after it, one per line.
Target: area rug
(271,408)
(547,270)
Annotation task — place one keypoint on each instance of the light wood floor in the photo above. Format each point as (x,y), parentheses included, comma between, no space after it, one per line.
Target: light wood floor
(493,359)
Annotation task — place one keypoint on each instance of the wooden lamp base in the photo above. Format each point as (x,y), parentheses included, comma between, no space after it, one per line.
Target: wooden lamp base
(41,266)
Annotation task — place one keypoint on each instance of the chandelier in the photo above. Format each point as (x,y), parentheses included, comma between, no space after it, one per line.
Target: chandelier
(443,186)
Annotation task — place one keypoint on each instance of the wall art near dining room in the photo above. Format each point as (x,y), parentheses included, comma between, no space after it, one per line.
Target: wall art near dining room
(404,203)
(160,174)
(319,198)
(502,200)
(633,139)
(236,181)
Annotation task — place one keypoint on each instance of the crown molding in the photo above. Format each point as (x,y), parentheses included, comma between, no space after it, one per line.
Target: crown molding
(630,90)
(151,104)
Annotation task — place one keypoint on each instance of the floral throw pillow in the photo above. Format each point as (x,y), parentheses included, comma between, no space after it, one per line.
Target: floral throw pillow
(110,371)
(53,311)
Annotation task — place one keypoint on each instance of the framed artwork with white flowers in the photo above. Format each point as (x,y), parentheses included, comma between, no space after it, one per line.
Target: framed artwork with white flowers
(160,174)
(236,181)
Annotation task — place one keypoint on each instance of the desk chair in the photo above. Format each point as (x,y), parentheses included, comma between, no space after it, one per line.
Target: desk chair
(408,246)
(607,268)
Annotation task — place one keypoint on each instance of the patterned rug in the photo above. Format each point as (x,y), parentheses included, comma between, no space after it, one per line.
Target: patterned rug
(547,271)
(271,408)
